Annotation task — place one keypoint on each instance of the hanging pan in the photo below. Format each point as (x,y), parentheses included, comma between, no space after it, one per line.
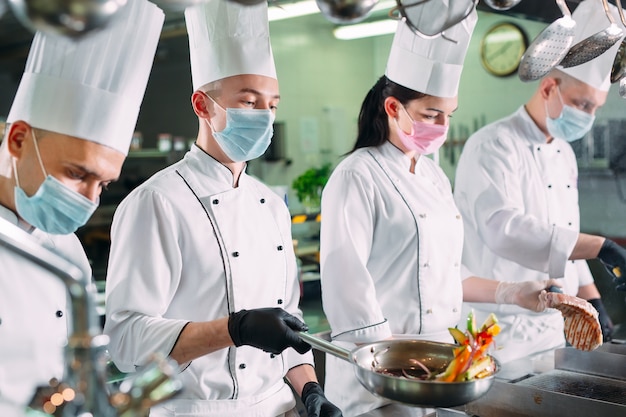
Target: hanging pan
(377,364)
(549,48)
(596,44)
(618,72)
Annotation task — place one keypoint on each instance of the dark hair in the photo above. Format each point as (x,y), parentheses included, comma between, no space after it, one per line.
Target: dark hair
(373,121)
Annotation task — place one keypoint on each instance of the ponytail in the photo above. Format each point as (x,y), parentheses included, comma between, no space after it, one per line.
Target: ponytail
(373,124)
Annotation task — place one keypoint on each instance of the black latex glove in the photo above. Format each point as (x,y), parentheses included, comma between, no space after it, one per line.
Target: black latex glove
(613,256)
(603,317)
(316,403)
(270,329)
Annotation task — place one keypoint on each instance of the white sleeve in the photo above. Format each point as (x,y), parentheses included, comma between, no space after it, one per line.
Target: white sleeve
(489,189)
(348,291)
(584,274)
(143,274)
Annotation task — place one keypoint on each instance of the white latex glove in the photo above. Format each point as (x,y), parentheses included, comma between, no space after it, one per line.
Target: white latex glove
(526,294)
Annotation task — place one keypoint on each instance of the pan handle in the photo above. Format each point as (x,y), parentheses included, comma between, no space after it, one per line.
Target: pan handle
(326,347)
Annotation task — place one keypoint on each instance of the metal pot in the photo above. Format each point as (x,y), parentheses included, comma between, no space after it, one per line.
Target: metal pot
(369,359)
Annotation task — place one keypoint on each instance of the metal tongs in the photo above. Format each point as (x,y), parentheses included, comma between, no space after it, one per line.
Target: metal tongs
(549,48)
(596,44)
(432,23)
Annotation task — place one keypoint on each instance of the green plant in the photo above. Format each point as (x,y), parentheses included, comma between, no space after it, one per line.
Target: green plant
(308,186)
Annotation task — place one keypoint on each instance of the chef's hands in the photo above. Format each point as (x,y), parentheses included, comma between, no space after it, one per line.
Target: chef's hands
(604,318)
(316,403)
(613,257)
(526,294)
(270,329)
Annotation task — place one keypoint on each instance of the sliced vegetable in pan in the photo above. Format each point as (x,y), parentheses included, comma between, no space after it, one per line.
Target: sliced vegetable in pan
(470,358)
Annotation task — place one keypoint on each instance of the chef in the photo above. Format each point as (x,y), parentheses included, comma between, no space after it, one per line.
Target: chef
(516,187)
(68,132)
(202,266)
(391,235)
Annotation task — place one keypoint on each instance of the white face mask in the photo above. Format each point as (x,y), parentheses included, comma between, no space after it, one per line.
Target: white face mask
(572,123)
(54,208)
(248,133)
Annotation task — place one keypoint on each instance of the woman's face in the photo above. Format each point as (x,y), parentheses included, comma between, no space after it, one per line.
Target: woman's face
(429,109)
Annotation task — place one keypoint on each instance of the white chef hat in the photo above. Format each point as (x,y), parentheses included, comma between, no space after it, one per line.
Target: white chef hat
(430,66)
(91,88)
(227,39)
(590,19)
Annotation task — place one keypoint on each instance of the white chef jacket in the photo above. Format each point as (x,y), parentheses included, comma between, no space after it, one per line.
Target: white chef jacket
(391,246)
(34,315)
(187,246)
(519,199)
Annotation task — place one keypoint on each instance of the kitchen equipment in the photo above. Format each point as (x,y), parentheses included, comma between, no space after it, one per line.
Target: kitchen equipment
(72,18)
(596,44)
(440,15)
(402,354)
(86,349)
(502,4)
(581,384)
(619,65)
(618,72)
(345,11)
(549,47)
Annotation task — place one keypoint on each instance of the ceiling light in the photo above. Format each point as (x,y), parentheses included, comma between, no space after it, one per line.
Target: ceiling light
(364,30)
(307,7)
(288,10)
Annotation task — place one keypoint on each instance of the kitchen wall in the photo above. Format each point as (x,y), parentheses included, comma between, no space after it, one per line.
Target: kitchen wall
(323,81)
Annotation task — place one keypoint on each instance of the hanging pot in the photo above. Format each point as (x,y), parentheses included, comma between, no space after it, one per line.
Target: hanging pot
(72,18)
(502,4)
(345,11)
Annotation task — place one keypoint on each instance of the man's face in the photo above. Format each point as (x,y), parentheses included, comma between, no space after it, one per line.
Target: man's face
(244,92)
(579,95)
(83,166)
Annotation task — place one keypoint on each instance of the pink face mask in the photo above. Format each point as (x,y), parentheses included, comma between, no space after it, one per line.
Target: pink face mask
(425,138)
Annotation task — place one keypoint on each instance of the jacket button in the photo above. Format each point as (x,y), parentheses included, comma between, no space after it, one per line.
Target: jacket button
(550,186)
(272,355)
(538,148)
(242,366)
(235,254)
(458,216)
(569,223)
(569,186)
(429,311)
(216,201)
(454,310)
(280,301)
(279,247)
(59,313)
(422,215)
(262,201)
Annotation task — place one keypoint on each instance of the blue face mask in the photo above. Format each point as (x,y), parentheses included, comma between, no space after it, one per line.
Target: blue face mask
(571,125)
(247,134)
(54,208)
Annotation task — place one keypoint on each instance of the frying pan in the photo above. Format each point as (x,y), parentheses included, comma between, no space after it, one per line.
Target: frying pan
(549,48)
(402,354)
(596,44)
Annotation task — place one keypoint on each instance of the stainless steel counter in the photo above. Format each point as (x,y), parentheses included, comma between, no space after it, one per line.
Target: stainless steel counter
(554,384)
(399,410)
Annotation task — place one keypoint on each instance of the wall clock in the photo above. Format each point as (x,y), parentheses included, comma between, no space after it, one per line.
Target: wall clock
(502,47)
